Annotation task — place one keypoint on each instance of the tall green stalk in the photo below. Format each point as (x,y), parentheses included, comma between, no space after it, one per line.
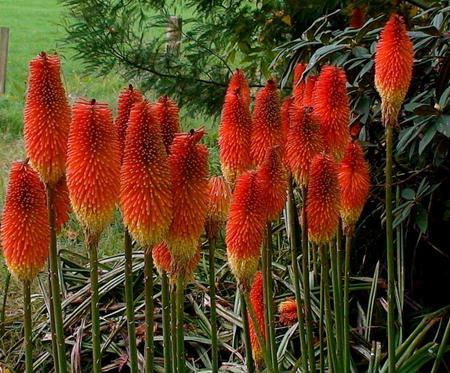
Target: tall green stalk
(443,346)
(129,299)
(321,316)
(52,327)
(148,289)
(4,300)
(337,300)
(348,248)
(180,324)
(246,331)
(268,296)
(292,218)
(55,292)
(27,327)
(390,250)
(331,345)
(166,322)
(212,300)
(92,244)
(306,289)
(173,325)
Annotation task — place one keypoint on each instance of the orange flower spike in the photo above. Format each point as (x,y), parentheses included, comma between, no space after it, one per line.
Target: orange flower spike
(189,167)
(322,208)
(145,180)
(303,144)
(266,122)
(62,204)
(288,312)
(298,88)
(25,232)
(358,16)
(127,98)
(93,164)
(218,204)
(354,183)
(393,67)
(285,115)
(46,118)
(238,81)
(257,302)
(331,106)
(273,178)
(234,136)
(308,94)
(166,114)
(245,227)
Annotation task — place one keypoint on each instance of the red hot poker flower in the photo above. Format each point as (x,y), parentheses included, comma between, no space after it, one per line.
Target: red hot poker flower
(353,184)
(298,88)
(245,227)
(285,115)
(238,81)
(331,106)
(93,164)
(393,67)
(266,122)
(357,20)
(272,176)
(288,312)
(218,204)
(303,144)
(46,118)
(127,98)
(257,302)
(189,167)
(234,136)
(166,114)
(145,180)
(308,94)
(62,204)
(25,231)
(322,209)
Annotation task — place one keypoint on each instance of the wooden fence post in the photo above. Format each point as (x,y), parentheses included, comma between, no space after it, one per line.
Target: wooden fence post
(4,35)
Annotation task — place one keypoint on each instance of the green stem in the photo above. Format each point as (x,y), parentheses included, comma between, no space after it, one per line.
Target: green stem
(129,299)
(5,298)
(27,327)
(390,250)
(331,345)
(212,300)
(292,219)
(348,248)
(246,331)
(173,325)
(268,297)
(259,336)
(180,324)
(166,323)
(148,289)
(321,316)
(443,346)
(52,326)
(92,244)
(306,289)
(55,292)
(337,300)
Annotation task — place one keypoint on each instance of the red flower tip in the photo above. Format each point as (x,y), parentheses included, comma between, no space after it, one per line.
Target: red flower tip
(145,180)
(189,167)
(298,87)
(322,209)
(25,231)
(166,113)
(234,136)
(393,67)
(62,204)
(218,204)
(272,176)
(285,115)
(331,106)
(46,118)
(354,183)
(358,16)
(245,227)
(257,303)
(288,312)
(308,94)
(303,144)
(266,122)
(239,82)
(355,130)
(127,98)
(93,164)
